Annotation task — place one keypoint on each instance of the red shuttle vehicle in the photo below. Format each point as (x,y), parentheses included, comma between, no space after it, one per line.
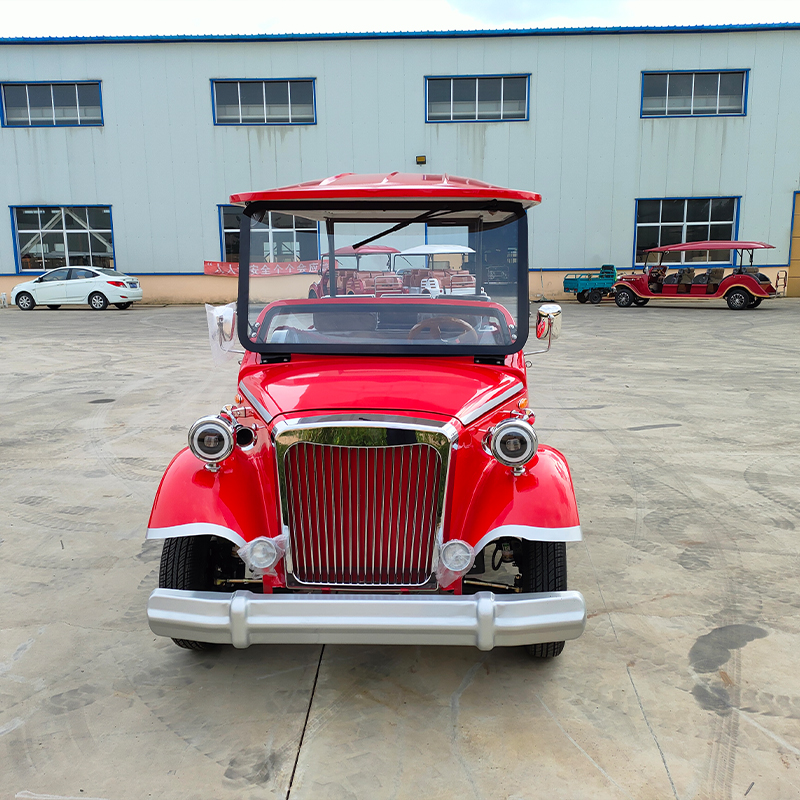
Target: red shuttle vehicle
(377,477)
(744,288)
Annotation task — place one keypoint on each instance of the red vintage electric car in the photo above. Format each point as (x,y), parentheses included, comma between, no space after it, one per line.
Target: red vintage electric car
(377,477)
(745,287)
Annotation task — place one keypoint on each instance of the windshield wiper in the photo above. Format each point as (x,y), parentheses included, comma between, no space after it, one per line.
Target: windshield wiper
(400,225)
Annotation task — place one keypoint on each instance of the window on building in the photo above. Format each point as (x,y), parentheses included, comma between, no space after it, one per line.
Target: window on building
(686,94)
(490,99)
(662,222)
(28,105)
(62,236)
(264,102)
(281,238)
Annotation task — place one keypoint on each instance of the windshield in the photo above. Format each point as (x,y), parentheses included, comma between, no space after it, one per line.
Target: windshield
(414,281)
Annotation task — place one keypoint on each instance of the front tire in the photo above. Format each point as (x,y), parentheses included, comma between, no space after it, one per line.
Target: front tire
(738,299)
(641,301)
(98,301)
(624,297)
(186,564)
(123,306)
(25,302)
(595,296)
(582,297)
(544,569)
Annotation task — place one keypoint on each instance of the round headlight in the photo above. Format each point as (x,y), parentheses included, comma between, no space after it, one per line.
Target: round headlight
(211,439)
(514,443)
(456,556)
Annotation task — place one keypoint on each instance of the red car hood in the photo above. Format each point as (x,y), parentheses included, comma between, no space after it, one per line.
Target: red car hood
(443,387)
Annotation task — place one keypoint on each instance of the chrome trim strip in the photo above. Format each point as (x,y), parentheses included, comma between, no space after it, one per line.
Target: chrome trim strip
(531,533)
(483,620)
(265,415)
(196,529)
(468,419)
(366,421)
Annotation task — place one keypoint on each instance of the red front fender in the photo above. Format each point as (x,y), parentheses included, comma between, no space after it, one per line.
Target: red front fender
(538,505)
(234,503)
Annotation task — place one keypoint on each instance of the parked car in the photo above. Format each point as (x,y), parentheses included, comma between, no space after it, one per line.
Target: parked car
(93,286)
(745,287)
(591,286)
(377,478)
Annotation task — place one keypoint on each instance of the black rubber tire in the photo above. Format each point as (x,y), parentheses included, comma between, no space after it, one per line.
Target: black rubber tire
(25,302)
(595,296)
(55,307)
(544,569)
(624,297)
(755,302)
(186,564)
(582,296)
(98,301)
(738,299)
(123,306)
(640,301)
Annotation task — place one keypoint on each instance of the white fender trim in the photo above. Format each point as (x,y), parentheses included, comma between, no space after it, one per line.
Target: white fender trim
(196,529)
(531,534)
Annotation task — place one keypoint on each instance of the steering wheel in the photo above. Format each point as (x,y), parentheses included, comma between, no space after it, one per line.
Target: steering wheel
(437,327)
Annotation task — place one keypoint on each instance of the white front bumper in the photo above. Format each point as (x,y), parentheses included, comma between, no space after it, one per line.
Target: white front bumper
(483,620)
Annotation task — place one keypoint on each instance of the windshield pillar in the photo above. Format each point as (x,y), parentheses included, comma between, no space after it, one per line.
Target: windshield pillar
(331,258)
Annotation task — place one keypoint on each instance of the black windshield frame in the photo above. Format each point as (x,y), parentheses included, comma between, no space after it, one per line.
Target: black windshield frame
(509,213)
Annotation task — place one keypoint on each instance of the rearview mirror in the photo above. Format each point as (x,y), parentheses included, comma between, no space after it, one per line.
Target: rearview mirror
(548,321)
(222,333)
(226,324)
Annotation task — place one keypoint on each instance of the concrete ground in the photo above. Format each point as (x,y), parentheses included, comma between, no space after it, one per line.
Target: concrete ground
(681,424)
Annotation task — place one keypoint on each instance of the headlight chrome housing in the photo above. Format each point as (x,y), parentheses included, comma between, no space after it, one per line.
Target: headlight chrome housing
(212,439)
(513,442)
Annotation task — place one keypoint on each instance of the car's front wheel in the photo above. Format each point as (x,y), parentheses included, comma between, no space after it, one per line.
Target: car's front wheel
(98,301)
(544,569)
(624,297)
(738,299)
(186,564)
(25,302)
(123,306)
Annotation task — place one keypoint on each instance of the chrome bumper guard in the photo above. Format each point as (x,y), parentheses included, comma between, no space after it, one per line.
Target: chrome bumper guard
(483,620)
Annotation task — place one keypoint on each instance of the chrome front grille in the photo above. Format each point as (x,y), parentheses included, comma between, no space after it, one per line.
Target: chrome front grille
(362,504)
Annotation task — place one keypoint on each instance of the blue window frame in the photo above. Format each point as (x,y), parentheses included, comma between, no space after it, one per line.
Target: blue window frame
(282,238)
(675,220)
(264,102)
(706,93)
(476,98)
(46,105)
(46,237)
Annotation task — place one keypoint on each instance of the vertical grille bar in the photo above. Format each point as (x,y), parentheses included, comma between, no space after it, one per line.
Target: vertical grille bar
(375,507)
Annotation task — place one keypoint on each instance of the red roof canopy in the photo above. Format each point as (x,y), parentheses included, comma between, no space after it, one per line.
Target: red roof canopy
(395,185)
(711,245)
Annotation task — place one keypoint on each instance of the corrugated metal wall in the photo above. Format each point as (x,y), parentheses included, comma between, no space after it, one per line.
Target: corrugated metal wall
(163,166)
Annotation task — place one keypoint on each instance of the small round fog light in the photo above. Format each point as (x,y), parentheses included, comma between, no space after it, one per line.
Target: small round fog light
(263,553)
(456,556)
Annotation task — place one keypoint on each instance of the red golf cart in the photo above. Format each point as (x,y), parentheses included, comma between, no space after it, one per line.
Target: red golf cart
(744,287)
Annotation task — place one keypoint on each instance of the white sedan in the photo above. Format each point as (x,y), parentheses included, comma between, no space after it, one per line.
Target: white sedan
(94,286)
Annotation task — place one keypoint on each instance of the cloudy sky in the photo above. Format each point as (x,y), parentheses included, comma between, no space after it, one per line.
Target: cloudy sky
(140,17)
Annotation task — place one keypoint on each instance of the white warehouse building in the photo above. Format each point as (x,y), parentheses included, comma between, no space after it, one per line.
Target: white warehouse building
(123,151)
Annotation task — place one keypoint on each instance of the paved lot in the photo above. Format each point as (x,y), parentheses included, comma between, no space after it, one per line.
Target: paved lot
(682,427)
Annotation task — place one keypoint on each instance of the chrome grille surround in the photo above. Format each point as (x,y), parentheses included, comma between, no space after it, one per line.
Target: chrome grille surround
(379,441)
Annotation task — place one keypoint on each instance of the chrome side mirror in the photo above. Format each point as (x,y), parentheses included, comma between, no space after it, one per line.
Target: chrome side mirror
(548,321)
(548,326)
(226,324)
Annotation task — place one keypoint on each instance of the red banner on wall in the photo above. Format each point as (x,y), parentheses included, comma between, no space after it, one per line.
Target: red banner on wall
(263,270)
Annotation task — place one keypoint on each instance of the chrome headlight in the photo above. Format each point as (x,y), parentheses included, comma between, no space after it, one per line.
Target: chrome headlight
(513,443)
(211,439)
